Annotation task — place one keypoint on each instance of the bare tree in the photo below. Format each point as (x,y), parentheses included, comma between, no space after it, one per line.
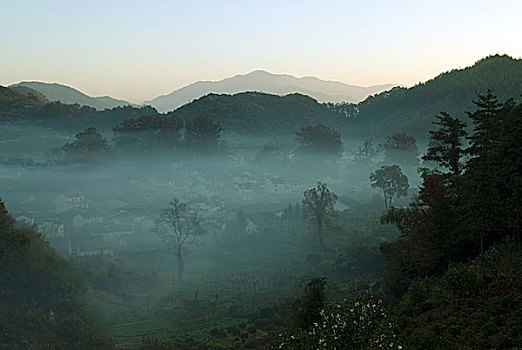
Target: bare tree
(366,152)
(179,225)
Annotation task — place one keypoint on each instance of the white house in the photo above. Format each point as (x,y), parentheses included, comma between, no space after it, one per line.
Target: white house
(277,185)
(29,221)
(67,202)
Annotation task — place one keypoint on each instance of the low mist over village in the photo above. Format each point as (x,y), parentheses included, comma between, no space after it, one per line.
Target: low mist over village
(210,203)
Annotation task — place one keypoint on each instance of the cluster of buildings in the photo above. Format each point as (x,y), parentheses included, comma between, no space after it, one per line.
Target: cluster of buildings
(119,214)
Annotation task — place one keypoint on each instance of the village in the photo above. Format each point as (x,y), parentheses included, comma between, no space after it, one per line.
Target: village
(79,222)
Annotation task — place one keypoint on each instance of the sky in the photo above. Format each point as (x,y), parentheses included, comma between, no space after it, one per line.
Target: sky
(137,50)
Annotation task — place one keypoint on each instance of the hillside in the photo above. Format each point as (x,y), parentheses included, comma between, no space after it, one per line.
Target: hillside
(260,113)
(412,109)
(401,109)
(22,104)
(32,94)
(65,94)
(472,306)
(9,96)
(261,81)
(40,304)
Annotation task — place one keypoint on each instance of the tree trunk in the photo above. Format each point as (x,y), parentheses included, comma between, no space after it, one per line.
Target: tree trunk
(518,227)
(320,231)
(180,264)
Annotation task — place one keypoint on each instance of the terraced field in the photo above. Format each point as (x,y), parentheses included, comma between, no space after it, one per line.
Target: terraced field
(193,314)
(128,335)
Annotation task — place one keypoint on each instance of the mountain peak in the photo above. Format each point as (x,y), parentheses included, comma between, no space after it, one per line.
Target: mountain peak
(263,81)
(259,72)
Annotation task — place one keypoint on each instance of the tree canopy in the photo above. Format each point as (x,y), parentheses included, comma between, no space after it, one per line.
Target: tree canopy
(446,143)
(366,153)
(202,133)
(392,182)
(457,217)
(319,139)
(318,208)
(400,148)
(154,132)
(88,145)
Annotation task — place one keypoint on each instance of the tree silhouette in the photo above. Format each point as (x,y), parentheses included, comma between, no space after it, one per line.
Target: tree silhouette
(392,182)
(400,148)
(483,184)
(203,133)
(445,143)
(89,145)
(179,225)
(366,152)
(318,208)
(154,132)
(320,139)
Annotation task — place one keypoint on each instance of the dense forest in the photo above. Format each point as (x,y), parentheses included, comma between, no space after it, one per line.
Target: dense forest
(411,109)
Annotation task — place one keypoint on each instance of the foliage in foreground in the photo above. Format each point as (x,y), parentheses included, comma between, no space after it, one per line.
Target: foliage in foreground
(465,206)
(472,306)
(361,322)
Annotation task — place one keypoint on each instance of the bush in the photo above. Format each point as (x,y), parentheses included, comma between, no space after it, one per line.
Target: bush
(358,323)
(489,329)
(262,323)
(503,342)
(214,332)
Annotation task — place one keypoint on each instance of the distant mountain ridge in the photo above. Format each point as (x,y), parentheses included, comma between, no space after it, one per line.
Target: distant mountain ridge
(265,82)
(66,94)
(409,110)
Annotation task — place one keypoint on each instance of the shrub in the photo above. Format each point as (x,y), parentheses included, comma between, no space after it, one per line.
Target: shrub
(489,329)
(358,323)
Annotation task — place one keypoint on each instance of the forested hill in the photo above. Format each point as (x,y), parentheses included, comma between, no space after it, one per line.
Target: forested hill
(261,113)
(20,96)
(66,94)
(409,110)
(23,104)
(412,109)
(40,300)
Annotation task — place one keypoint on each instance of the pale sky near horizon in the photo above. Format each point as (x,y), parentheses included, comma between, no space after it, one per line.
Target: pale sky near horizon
(137,50)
